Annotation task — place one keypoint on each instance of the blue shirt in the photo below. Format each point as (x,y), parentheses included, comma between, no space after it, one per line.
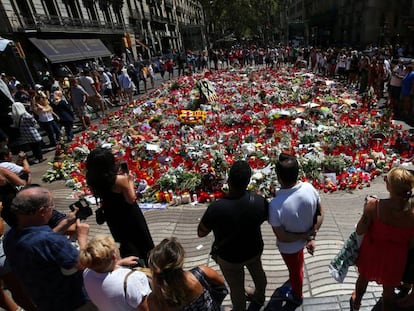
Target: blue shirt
(37,255)
(407,83)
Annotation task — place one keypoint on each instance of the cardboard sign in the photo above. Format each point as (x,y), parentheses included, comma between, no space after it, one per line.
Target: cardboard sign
(192,117)
(207,89)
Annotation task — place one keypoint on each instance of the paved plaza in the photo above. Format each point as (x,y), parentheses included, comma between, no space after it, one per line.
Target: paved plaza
(322,292)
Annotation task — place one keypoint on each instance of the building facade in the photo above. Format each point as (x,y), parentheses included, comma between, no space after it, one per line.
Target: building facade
(50,32)
(353,23)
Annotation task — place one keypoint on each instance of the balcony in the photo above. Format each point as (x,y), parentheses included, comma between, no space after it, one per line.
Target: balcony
(136,14)
(159,19)
(146,16)
(68,24)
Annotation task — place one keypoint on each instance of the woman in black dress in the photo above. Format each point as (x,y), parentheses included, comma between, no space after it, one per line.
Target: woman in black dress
(122,213)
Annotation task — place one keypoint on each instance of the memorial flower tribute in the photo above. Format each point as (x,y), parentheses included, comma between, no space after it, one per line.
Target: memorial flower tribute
(180,143)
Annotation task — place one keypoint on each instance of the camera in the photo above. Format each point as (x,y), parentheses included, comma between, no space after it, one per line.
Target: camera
(84,210)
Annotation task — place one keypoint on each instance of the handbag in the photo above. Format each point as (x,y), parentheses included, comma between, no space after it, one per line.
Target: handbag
(347,256)
(217,292)
(100,216)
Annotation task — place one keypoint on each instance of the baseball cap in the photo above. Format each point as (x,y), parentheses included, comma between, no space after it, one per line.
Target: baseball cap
(38,87)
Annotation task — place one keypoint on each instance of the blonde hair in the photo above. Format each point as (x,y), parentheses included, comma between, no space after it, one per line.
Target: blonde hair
(166,262)
(99,253)
(401,183)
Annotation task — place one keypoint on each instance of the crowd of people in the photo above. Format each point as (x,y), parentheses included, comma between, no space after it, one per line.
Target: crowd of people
(82,91)
(51,263)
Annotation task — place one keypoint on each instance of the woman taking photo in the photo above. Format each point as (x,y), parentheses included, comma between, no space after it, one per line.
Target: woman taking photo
(175,289)
(109,285)
(117,193)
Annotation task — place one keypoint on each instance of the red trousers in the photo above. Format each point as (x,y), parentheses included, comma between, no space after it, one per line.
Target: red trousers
(294,263)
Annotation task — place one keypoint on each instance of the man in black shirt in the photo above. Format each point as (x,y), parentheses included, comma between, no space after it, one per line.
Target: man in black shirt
(235,221)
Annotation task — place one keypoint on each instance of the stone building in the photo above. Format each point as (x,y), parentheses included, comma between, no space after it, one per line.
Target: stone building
(46,33)
(354,23)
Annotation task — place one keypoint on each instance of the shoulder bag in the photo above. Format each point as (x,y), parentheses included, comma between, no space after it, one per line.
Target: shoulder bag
(217,292)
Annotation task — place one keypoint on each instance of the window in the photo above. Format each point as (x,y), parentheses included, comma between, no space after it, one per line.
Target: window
(50,7)
(24,11)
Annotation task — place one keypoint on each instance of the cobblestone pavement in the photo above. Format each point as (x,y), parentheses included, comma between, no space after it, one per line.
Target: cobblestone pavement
(321,291)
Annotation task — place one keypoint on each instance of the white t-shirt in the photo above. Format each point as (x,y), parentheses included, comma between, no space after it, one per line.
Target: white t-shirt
(45,116)
(293,209)
(17,169)
(106,290)
(86,82)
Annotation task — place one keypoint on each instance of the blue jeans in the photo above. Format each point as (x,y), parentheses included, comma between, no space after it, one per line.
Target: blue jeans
(52,130)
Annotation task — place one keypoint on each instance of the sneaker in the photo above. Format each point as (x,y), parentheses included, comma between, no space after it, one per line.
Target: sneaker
(293,300)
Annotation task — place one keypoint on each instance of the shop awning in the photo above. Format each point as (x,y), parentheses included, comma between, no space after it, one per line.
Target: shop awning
(4,43)
(66,50)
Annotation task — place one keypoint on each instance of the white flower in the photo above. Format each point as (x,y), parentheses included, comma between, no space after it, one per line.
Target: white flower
(257,176)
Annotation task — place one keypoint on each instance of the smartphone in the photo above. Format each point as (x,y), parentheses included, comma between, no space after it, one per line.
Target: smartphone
(84,210)
(124,167)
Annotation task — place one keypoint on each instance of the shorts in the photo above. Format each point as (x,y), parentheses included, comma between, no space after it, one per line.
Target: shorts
(94,101)
(81,111)
(108,92)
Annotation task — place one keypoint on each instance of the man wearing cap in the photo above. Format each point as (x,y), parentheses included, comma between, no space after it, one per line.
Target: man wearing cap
(45,262)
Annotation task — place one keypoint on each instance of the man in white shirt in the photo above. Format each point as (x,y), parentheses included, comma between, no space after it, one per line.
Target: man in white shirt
(295,215)
(94,98)
(106,84)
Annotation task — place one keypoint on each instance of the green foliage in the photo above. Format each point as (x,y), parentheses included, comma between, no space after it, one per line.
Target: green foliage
(244,18)
(174,86)
(335,164)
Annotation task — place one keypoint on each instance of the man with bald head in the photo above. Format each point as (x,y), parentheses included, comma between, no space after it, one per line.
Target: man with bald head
(45,262)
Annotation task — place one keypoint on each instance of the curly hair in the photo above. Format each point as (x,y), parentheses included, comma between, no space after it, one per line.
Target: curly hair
(101,171)
(166,262)
(99,253)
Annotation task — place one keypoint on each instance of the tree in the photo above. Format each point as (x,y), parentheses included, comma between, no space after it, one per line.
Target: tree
(243,18)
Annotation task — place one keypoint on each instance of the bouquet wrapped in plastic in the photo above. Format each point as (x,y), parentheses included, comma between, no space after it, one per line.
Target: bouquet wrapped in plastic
(347,256)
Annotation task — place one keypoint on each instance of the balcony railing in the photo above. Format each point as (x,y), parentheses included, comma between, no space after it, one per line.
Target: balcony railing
(56,23)
(146,16)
